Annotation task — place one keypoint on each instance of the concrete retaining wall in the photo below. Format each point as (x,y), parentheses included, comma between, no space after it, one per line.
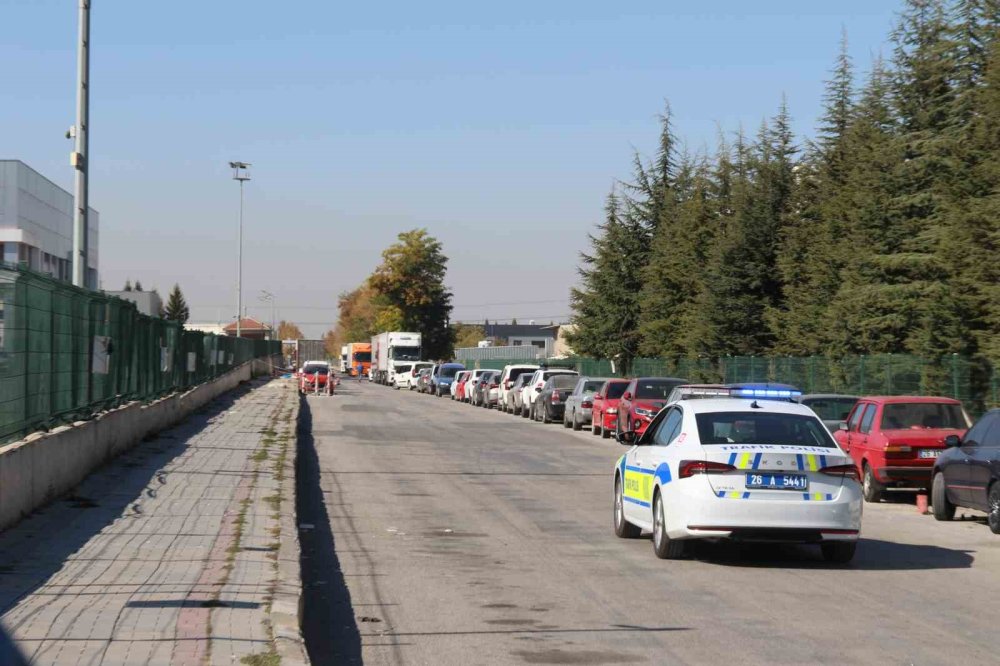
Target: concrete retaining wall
(44,466)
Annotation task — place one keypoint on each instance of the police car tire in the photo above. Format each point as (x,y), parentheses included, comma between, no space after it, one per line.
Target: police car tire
(623,528)
(943,509)
(870,486)
(664,547)
(838,552)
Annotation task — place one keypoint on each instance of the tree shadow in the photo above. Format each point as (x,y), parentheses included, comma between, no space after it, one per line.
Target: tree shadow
(328,624)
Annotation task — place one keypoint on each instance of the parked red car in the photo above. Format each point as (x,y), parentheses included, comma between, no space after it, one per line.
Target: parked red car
(642,400)
(316,377)
(895,440)
(460,380)
(604,413)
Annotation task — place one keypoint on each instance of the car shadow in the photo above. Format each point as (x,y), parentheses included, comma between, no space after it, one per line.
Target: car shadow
(872,555)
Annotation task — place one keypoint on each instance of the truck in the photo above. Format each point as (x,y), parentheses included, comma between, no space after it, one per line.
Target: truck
(309,350)
(345,355)
(391,350)
(359,352)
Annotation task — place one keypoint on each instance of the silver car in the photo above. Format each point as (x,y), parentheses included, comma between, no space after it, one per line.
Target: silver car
(581,401)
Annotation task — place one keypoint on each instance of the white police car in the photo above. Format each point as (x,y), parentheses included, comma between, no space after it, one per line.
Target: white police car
(742,469)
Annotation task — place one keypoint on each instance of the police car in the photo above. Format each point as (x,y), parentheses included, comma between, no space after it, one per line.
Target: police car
(741,469)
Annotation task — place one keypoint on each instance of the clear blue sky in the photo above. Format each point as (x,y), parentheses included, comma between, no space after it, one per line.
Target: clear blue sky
(498,126)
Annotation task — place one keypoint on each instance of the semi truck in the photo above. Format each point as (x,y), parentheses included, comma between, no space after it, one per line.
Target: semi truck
(391,350)
(309,350)
(359,353)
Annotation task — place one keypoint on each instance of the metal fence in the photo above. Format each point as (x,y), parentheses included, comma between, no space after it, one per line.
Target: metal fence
(973,381)
(473,354)
(67,353)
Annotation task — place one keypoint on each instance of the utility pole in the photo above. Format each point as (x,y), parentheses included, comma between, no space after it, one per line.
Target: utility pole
(241,172)
(81,155)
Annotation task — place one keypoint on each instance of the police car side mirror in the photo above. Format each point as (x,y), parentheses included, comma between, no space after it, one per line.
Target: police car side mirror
(626,438)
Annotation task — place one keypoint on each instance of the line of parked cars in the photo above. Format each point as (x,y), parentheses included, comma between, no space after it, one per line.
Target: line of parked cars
(893,442)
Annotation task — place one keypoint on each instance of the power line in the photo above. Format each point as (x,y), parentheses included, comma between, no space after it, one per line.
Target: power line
(462,305)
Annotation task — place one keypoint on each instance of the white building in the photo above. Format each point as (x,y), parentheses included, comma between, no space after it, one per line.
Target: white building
(36,224)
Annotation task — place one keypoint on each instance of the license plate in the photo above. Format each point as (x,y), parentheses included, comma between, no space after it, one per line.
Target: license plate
(928,453)
(767,481)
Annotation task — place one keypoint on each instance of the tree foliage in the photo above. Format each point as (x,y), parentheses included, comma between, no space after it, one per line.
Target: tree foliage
(176,308)
(879,235)
(288,331)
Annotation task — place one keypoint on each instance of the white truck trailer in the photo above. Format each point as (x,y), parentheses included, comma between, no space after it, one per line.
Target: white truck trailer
(345,352)
(391,350)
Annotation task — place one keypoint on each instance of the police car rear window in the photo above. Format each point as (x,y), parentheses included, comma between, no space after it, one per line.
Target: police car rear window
(762,428)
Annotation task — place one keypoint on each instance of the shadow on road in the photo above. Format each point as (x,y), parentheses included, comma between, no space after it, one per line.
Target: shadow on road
(328,624)
(872,555)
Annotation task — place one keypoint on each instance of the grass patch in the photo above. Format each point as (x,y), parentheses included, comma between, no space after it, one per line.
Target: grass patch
(274,501)
(260,456)
(270,658)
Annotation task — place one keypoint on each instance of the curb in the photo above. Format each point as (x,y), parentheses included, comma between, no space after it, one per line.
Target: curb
(286,604)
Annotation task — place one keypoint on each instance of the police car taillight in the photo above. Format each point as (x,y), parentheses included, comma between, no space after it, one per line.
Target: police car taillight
(844,471)
(692,467)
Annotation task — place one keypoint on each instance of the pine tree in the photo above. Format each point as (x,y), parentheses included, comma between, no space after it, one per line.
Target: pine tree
(606,304)
(176,308)
(138,286)
(128,285)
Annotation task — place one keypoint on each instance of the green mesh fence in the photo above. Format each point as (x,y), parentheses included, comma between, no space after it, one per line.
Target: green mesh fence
(67,353)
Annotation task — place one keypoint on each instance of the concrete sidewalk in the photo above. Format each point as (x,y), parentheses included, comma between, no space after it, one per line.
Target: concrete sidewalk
(169,554)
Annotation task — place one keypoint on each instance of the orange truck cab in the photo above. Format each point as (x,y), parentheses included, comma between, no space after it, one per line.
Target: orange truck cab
(359,352)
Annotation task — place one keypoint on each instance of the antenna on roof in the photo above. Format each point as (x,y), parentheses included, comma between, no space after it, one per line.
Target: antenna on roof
(754,405)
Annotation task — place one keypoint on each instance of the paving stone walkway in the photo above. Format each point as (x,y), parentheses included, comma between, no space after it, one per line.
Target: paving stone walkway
(165,556)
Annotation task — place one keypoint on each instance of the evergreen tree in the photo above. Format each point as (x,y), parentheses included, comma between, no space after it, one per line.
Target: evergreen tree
(176,308)
(606,306)
(128,285)
(138,286)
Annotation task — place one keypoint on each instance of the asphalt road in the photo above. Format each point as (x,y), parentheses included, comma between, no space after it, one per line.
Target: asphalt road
(439,533)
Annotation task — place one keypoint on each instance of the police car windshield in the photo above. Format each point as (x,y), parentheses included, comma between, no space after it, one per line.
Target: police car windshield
(615,390)
(653,389)
(762,428)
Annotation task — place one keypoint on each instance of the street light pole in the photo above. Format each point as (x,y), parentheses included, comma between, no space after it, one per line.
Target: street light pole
(81,153)
(268,297)
(241,172)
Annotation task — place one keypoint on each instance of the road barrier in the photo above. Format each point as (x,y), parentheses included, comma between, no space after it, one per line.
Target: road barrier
(68,353)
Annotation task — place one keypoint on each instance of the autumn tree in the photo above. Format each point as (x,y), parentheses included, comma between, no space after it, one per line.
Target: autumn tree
(288,331)
(410,294)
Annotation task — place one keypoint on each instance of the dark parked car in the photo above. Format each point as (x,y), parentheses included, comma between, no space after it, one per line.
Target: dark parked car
(967,474)
(481,390)
(423,380)
(832,408)
(551,401)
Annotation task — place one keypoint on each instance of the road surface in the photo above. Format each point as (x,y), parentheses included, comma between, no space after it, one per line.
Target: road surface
(439,533)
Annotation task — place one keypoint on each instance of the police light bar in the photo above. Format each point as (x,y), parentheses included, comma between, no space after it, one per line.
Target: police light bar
(766,393)
(707,391)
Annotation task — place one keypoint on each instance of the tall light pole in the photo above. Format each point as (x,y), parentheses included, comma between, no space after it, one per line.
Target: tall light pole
(241,172)
(81,153)
(268,297)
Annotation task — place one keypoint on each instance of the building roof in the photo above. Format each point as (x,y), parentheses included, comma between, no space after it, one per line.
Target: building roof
(507,331)
(248,324)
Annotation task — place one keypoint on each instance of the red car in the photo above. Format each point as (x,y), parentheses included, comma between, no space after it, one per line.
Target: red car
(316,377)
(643,398)
(604,413)
(460,380)
(895,440)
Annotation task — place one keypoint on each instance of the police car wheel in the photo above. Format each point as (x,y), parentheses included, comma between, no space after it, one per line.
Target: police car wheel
(870,486)
(623,528)
(943,509)
(664,547)
(838,552)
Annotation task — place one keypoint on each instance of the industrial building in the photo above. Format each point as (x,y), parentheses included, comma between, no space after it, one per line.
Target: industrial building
(36,224)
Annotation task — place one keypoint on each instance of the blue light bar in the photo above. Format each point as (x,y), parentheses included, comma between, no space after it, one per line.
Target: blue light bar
(766,393)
